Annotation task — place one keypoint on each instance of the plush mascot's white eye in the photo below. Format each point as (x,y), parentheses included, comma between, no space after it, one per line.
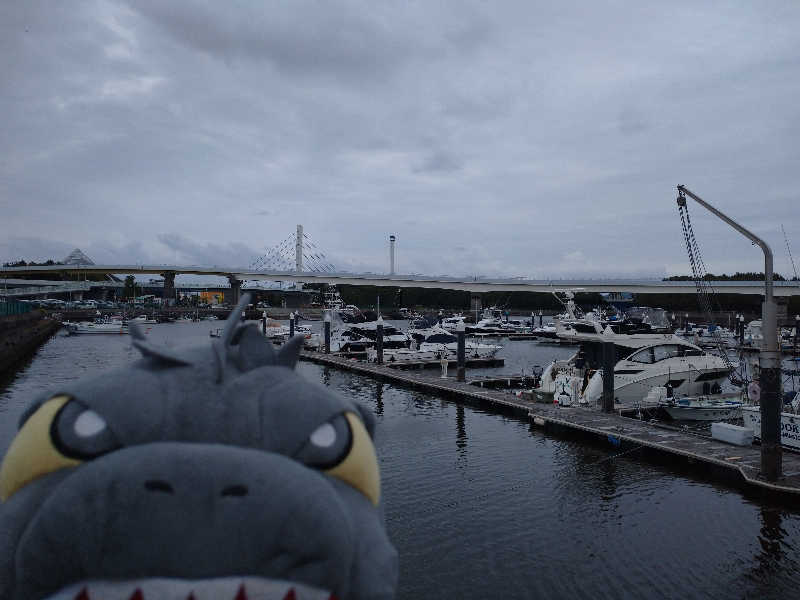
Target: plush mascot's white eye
(343,449)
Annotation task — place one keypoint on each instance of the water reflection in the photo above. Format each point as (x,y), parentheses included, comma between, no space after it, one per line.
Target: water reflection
(770,539)
(461,432)
(608,482)
(485,517)
(379,398)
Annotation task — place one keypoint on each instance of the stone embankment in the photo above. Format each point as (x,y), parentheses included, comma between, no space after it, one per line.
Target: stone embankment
(21,336)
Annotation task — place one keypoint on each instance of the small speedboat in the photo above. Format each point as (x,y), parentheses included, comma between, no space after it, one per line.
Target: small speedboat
(703,408)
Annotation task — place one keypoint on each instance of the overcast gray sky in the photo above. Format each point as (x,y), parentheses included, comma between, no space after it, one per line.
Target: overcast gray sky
(534,139)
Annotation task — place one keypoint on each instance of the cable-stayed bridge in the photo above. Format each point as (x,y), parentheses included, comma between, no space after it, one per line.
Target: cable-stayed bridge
(297,258)
(475,284)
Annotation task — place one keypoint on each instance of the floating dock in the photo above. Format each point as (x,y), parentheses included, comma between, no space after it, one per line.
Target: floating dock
(475,363)
(742,462)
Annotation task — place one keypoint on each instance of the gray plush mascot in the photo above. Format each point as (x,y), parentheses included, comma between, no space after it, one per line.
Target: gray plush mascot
(213,473)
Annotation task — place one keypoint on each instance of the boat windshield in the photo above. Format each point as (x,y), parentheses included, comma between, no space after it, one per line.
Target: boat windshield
(441,338)
(645,355)
(666,351)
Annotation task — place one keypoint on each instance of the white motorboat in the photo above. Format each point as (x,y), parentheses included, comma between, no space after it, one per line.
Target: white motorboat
(703,408)
(546,331)
(790,423)
(644,361)
(452,323)
(392,336)
(493,323)
(358,337)
(99,326)
(707,335)
(434,344)
(638,320)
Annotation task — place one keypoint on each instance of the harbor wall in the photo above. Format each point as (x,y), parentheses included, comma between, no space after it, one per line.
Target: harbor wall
(21,336)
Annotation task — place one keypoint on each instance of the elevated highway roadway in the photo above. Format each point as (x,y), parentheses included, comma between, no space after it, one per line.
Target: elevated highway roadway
(475,285)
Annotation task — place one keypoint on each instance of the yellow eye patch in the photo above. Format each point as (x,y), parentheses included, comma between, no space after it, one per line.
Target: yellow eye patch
(32,453)
(360,467)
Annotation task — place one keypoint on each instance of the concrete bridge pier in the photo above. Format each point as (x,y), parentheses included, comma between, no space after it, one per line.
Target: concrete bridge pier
(782,306)
(236,290)
(169,288)
(475,303)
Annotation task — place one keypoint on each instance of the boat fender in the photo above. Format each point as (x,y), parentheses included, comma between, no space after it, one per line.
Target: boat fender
(594,389)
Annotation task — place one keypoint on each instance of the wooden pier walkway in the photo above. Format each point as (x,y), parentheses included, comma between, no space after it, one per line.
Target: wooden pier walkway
(742,461)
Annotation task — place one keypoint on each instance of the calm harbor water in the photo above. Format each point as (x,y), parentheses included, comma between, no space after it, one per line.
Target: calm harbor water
(481,506)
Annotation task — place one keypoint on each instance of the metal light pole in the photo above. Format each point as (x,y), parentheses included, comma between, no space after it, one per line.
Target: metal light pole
(769,355)
(392,240)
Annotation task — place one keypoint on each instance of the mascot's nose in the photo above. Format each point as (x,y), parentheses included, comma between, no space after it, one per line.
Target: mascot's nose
(192,511)
(160,486)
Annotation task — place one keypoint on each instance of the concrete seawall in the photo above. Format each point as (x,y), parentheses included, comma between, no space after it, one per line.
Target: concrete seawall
(21,336)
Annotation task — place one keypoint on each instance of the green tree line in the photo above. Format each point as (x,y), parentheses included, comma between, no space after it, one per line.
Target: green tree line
(738,276)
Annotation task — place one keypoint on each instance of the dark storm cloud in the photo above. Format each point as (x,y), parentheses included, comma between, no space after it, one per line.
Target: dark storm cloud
(316,38)
(512,138)
(232,254)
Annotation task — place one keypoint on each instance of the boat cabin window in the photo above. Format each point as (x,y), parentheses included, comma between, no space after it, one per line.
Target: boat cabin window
(645,355)
(666,351)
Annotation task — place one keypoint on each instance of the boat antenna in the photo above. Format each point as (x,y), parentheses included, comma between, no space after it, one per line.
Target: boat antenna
(789,251)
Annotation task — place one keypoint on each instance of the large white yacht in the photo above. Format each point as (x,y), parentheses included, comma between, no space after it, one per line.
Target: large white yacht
(643,362)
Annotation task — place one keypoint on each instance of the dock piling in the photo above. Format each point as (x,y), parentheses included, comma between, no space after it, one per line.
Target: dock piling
(461,334)
(327,327)
(609,356)
(379,340)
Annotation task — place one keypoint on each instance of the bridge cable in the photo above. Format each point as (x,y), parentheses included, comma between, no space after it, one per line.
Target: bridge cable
(789,251)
